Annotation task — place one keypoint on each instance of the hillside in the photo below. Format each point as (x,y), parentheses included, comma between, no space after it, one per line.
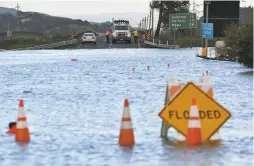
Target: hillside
(47,24)
(7,10)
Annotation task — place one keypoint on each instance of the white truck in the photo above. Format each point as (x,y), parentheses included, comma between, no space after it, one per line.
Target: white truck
(121,31)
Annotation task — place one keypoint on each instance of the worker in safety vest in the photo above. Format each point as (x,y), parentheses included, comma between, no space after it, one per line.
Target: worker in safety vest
(143,36)
(107,35)
(135,34)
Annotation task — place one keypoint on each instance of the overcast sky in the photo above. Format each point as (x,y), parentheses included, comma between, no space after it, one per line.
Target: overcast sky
(92,10)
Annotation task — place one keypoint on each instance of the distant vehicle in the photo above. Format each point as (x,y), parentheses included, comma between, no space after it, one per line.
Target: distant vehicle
(121,31)
(96,33)
(88,38)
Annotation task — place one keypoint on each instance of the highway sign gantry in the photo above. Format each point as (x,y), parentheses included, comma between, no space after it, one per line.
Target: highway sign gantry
(211,114)
(182,21)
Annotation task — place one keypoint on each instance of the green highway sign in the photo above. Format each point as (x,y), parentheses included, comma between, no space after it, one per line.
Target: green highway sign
(182,21)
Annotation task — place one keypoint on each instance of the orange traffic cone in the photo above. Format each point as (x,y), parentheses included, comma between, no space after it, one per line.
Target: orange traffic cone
(194,129)
(206,79)
(207,84)
(174,87)
(126,137)
(22,131)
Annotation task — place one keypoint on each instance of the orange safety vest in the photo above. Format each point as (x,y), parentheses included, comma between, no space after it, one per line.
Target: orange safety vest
(107,33)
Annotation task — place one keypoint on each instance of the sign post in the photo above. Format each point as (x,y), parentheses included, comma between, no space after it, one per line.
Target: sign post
(211,114)
(207,32)
(206,40)
(164,126)
(174,36)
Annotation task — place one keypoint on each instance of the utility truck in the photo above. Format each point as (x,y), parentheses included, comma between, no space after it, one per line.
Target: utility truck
(121,31)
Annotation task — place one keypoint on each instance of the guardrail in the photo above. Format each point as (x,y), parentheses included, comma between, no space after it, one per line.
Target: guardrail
(159,45)
(49,46)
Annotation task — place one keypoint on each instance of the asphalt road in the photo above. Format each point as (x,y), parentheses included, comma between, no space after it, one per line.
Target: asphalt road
(101,43)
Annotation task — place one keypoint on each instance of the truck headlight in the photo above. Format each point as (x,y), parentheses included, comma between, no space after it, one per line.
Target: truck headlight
(114,34)
(129,34)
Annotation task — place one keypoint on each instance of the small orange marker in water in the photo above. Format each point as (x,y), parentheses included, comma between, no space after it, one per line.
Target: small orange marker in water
(12,130)
(133,70)
(148,67)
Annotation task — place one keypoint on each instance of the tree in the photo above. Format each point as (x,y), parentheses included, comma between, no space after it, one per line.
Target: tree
(168,7)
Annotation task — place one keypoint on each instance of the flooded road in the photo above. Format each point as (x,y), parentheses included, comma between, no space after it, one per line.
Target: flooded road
(74,109)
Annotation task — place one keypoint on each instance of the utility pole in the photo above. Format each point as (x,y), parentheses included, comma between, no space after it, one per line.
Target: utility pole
(147,23)
(150,18)
(192,29)
(206,40)
(17,16)
(143,23)
(152,21)
(8,31)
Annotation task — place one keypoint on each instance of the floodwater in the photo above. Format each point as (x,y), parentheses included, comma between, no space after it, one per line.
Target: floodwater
(74,109)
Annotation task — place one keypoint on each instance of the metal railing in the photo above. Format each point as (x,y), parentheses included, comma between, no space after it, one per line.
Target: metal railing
(49,46)
(159,45)
(212,52)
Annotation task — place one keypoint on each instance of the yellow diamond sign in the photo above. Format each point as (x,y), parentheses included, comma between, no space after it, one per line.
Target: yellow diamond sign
(211,114)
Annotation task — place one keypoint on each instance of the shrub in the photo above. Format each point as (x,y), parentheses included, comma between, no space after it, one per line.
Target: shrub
(239,38)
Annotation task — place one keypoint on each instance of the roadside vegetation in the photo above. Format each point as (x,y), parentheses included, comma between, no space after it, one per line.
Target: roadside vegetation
(239,42)
(22,43)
